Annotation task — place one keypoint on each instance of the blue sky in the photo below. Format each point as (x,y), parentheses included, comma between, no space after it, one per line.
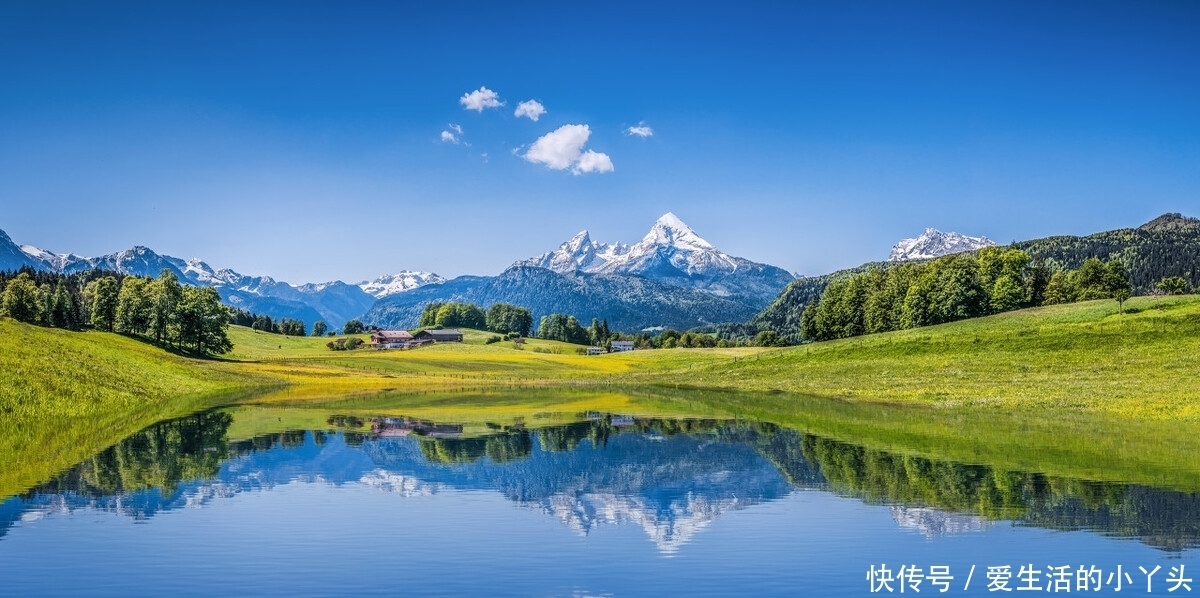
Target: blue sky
(304,140)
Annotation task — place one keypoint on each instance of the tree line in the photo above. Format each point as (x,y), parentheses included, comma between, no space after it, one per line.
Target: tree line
(161,309)
(265,323)
(951,288)
(503,318)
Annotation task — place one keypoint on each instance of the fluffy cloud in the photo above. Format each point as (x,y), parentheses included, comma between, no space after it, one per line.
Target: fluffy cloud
(479,99)
(562,148)
(532,109)
(641,130)
(455,137)
(593,162)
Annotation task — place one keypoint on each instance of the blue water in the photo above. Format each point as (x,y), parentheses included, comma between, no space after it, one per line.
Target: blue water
(727,509)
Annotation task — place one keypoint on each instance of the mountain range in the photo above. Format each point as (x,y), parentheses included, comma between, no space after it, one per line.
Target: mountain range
(934,243)
(672,278)
(334,302)
(1165,246)
(672,253)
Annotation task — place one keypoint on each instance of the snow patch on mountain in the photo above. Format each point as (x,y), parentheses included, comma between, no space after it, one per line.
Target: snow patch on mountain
(935,243)
(670,240)
(335,302)
(390,284)
(671,252)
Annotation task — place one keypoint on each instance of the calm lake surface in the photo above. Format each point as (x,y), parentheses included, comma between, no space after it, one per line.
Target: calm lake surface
(604,505)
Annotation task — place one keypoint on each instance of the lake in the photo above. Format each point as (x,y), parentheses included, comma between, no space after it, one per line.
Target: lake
(587,503)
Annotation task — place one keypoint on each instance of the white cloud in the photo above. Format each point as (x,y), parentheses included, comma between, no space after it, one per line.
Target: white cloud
(455,137)
(641,130)
(593,162)
(562,148)
(532,109)
(479,99)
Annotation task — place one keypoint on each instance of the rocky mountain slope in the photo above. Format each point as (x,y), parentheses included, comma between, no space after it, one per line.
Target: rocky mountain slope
(671,252)
(628,302)
(935,243)
(334,302)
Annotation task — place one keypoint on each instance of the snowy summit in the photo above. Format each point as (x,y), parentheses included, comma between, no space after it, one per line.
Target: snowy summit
(935,243)
(671,252)
(669,239)
(390,284)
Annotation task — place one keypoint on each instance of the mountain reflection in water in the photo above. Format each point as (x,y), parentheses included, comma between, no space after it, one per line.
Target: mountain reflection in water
(669,477)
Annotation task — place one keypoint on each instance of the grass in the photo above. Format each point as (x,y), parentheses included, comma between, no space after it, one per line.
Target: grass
(1078,358)
(1007,388)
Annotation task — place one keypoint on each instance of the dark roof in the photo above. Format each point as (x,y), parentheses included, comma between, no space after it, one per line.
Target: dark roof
(392,335)
(441,334)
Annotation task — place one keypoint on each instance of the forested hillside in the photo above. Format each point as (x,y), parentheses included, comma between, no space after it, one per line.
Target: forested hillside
(1164,247)
(783,314)
(629,303)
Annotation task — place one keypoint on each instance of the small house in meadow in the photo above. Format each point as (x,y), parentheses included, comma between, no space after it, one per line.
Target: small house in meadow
(390,339)
(596,351)
(440,336)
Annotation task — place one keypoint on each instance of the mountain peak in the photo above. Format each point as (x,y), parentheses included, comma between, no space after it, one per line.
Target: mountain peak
(935,243)
(670,231)
(670,251)
(1171,222)
(670,220)
(405,280)
(580,240)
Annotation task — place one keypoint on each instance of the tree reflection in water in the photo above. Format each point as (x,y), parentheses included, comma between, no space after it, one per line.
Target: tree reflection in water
(627,459)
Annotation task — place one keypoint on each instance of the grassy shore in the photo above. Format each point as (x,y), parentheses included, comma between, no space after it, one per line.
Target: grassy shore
(66,395)
(1081,358)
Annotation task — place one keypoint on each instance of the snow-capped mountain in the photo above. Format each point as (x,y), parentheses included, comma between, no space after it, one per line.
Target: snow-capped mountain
(334,302)
(13,257)
(579,254)
(670,252)
(390,284)
(935,243)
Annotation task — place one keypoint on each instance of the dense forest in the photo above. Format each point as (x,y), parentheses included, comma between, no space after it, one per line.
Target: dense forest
(951,288)
(1166,246)
(160,309)
(504,318)
(265,323)
(1162,255)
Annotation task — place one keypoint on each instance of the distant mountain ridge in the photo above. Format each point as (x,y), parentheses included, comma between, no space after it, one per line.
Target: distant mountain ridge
(629,303)
(1166,246)
(671,252)
(334,302)
(390,284)
(672,278)
(934,243)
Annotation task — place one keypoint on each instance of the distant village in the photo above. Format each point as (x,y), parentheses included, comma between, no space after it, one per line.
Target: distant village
(403,339)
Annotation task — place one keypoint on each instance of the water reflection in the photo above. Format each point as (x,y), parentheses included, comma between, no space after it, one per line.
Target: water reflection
(669,477)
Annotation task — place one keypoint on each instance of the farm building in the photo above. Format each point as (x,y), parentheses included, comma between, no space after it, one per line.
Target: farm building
(440,336)
(618,346)
(390,339)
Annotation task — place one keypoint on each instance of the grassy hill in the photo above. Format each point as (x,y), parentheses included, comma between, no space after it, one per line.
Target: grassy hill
(66,395)
(1081,357)
(1166,246)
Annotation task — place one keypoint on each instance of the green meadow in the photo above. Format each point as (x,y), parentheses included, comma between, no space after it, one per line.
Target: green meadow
(1075,390)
